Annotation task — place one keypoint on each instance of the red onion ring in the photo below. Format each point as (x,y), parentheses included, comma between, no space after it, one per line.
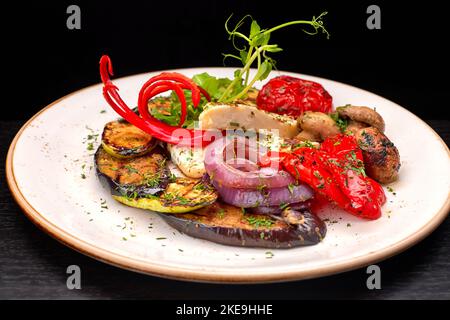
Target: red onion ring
(250,198)
(238,170)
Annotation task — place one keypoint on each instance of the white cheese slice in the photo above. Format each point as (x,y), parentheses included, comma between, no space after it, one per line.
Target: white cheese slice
(246,117)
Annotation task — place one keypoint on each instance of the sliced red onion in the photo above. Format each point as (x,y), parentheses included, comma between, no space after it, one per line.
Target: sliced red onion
(250,198)
(239,169)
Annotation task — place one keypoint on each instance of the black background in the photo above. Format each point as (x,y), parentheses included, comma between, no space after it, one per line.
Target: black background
(405,61)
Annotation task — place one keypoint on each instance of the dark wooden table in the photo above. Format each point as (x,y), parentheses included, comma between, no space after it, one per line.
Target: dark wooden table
(33,265)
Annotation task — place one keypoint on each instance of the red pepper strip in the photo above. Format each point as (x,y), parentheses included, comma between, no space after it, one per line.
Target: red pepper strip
(204,93)
(152,126)
(345,160)
(380,196)
(336,171)
(303,164)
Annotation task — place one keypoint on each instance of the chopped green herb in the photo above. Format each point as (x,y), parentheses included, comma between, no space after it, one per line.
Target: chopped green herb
(131,169)
(261,187)
(90,146)
(283,205)
(221,213)
(317,174)
(92,136)
(304,144)
(291,188)
(340,122)
(391,190)
(172,178)
(258,222)
(199,186)
(168,196)
(152,180)
(182,200)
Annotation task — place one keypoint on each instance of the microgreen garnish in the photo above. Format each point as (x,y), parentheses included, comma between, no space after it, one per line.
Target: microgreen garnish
(256,48)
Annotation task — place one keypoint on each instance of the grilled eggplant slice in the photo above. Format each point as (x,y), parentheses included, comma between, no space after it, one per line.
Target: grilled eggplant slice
(123,140)
(229,225)
(182,195)
(134,177)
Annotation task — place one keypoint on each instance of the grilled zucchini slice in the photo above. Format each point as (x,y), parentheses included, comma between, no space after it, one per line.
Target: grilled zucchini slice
(182,195)
(121,139)
(139,176)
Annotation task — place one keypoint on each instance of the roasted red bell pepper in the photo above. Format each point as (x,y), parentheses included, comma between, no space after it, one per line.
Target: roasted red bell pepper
(336,171)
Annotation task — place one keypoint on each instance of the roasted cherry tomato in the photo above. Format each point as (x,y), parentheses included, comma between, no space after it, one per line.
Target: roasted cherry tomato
(293,96)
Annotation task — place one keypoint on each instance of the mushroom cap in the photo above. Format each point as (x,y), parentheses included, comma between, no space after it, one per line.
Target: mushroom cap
(318,124)
(362,114)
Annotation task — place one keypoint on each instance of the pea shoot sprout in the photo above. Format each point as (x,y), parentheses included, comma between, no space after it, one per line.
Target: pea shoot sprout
(257,48)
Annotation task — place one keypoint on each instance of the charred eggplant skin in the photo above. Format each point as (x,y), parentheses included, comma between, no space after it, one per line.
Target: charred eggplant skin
(228,225)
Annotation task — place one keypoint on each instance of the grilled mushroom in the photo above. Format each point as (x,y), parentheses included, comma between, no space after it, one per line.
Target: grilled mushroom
(381,157)
(361,116)
(316,126)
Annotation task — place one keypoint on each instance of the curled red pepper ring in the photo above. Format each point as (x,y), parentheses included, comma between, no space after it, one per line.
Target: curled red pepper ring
(154,86)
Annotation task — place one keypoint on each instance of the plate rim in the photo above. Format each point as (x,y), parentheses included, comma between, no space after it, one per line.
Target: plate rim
(178,273)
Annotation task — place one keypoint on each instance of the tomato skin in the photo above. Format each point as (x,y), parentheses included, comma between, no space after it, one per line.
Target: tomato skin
(293,96)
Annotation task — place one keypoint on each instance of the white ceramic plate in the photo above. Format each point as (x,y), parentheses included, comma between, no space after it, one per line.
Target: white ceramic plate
(48,160)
